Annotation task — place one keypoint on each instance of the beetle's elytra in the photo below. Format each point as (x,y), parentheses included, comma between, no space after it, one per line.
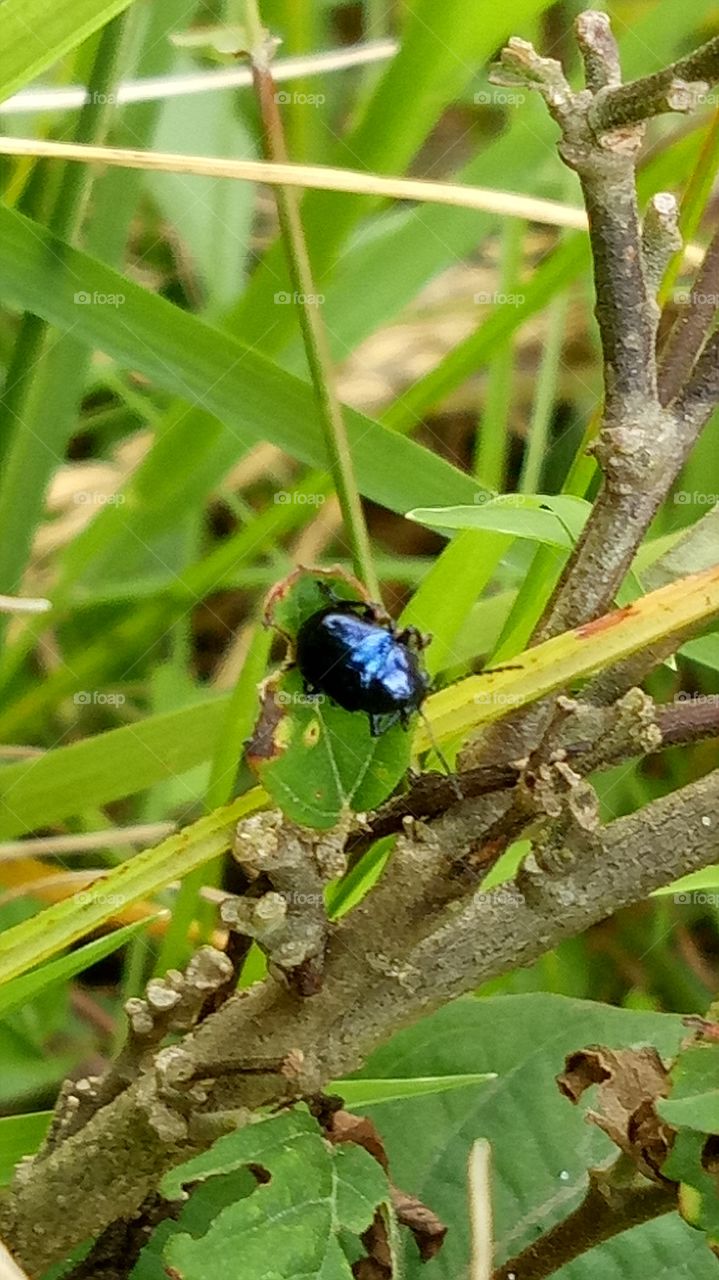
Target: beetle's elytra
(363,663)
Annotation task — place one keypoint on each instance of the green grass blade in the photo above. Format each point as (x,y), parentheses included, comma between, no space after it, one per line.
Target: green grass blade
(23,989)
(493,433)
(20,1136)
(35,940)
(36,33)
(365,1093)
(107,766)
(559,662)
(55,371)
(191,359)
(449,589)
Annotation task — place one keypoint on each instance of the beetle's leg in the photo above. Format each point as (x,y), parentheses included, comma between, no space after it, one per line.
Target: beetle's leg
(369,611)
(365,609)
(379,724)
(413,638)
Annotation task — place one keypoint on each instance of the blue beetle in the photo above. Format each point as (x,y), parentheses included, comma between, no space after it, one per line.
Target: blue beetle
(353,652)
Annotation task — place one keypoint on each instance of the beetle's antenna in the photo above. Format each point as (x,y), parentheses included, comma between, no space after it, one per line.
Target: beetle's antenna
(441,756)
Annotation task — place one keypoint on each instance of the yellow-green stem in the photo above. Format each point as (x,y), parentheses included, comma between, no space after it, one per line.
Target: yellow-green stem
(312,324)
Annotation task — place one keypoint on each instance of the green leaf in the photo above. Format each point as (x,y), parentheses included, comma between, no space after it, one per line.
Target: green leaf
(521,515)
(34,940)
(189,358)
(21,990)
(37,33)
(20,1136)
(315,759)
(694,1099)
(542,1146)
(704,882)
(358,1094)
(698,1200)
(293,1226)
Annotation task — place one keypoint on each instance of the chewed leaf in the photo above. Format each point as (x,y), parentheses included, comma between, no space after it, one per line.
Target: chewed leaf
(694,1099)
(298,596)
(315,759)
(304,1218)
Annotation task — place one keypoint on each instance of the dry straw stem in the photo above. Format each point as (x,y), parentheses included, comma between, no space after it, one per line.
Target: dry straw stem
(321,177)
(160,88)
(552,213)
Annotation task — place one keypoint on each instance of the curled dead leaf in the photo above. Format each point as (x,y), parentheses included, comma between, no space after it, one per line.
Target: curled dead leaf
(629,1082)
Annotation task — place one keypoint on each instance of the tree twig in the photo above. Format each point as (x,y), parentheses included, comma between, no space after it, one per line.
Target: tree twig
(384,968)
(666,90)
(691,328)
(609,1208)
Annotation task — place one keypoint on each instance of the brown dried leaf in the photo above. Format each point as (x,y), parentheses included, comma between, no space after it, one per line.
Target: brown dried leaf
(428,1230)
(629,1083)
(345,1127)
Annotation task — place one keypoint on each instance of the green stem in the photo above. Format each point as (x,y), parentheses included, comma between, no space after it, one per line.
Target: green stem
(493,436)
(313,328)
(547,379)
(377,22)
